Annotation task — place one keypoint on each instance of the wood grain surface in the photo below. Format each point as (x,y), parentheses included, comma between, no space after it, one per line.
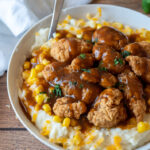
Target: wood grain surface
(13,136)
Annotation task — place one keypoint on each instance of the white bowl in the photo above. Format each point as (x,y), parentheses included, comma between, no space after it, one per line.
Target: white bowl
(23,49)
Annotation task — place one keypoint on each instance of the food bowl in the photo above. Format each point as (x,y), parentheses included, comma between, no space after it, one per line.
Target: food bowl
(23,50)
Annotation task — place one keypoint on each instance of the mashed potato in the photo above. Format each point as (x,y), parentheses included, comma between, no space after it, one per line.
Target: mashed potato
(71,137)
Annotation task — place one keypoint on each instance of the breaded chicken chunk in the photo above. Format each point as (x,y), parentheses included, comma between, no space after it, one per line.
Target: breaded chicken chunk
(109,58)
(133,92)
(69,107)
(108,109)
(68,48)
(111,37)
(140,66)
(141,49)
(105,79)
(82,61)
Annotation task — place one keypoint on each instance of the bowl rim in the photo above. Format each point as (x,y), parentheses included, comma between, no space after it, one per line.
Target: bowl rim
(50,145)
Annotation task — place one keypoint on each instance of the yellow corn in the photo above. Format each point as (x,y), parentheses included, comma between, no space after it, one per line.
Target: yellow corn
(48,121)
(117,25)
(68,17)
(99,142)
(98,26)
(34,117)
(69,35)
(88,16)
(26,65)
(45,62)
(33,73)
(37,33)
(39,67)
(57,119)
(142,127)
(39,89)
(66,122)
(77,139)
(117,140)
(40,98)
(65,21)
(33,60)
(72,29)
(99,11)
(90,139)
(46,108)
(37,107)
(25,74)
(57,35)
(111,147)
(50,90)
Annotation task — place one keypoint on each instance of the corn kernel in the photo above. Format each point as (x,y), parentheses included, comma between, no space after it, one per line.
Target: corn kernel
(88,16)
(71,29)
(34,117)
(50,90)
(117,140)
(69,35)
(46,108)
(33,73)
(68,17)
(90,139)
(99,11)
(37,107)
(39,67)
(94,19)
(98,26)
(40,98)
(142,127)
(45,62)
(99,142)
(39,89)
(48,121)
(117,25)
(45,132)
(77,139)
(57,119)
(25,74)
(33,60)
(57,35)
(111,147)
(26,65)
(66,122)
(65,21)
(74,122)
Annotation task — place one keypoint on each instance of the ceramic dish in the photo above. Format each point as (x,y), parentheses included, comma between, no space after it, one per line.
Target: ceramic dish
(23,50)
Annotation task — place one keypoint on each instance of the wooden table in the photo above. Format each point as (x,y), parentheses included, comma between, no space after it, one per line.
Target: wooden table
(13,136)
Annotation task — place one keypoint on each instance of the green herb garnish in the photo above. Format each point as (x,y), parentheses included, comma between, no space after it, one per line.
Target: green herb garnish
(125,54)
(118,61)
(102,69)
(86,70)
(146,6)
(82,56)
(73,83)
(42,93)
(81,86)
(57,90)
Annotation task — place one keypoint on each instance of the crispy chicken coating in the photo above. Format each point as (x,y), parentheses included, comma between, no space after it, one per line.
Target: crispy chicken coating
(108,109)
(110,36)
(133,92)
(68,48)
(140,66)
(80,62)
(109,58)
(69,107)
(141,49)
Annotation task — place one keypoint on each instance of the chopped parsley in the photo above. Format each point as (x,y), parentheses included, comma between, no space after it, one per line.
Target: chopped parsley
(118,61)
(57,90)
(42,93)
(102,69)
(82,56)
(81,86)
(125,54)
(86,70)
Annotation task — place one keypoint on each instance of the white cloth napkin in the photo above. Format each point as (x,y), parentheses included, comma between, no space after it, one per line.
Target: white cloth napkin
(18,15)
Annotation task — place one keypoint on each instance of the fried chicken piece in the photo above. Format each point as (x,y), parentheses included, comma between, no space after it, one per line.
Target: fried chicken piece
(109,58)
(50,71)
(111,37)
(108,109)
(107,80)
(133,92)
(68,48)
(141,49)
(80,62)
(69,107)
(140,66)
(93,75)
